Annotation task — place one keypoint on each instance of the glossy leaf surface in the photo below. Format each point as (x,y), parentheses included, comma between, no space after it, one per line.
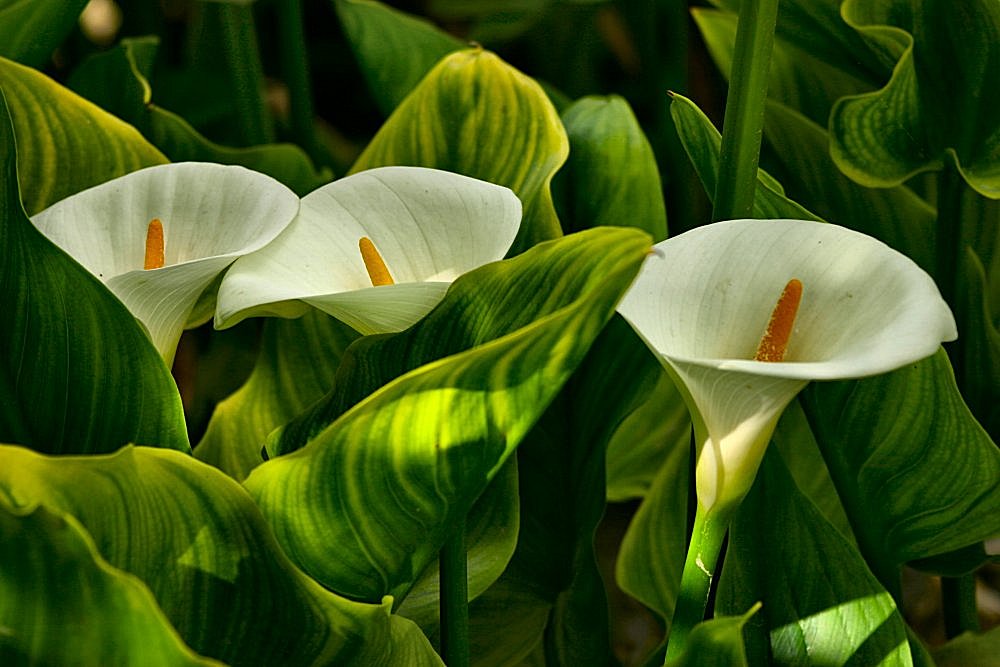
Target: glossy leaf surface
(197,540)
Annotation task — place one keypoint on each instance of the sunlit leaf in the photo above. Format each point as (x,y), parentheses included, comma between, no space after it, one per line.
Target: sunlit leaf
(934,110)
(821,604)
(62,604)
(392,473)
(65,143)
(611,177)
(474,114)
(197,540)
(77,373)
(119,80)
(394,49)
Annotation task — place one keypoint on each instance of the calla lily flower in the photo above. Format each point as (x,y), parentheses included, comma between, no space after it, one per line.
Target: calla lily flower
(703,301)
(377,249)
(160,237)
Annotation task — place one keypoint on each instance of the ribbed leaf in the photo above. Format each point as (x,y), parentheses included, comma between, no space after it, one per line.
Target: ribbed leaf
(62,604)
(982,343)
(31,31)
(119,80)
(392,473)
(702,142)
(196,539)
(914,470)
(65,143)
(77,373)
(821,604)
(934,109)
(611,177)
(473,114)
(395,50)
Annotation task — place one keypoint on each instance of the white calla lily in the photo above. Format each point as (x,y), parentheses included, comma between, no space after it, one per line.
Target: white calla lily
(428,226)
(703,300)
(210,214)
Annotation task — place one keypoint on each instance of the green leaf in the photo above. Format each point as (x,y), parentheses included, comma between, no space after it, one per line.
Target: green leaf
(643,439)
(981,349)
(66,144)
(31,31)
(821,604)
(915,471)
(394,49)
(77,373)
(562,464)
(62,604)
(982,650)
(934,109)
(473,114)
(649,562)
(716,643)
(703,143)
(119,81)
(199,543)
(811,66)
(295,367)
(392,473)
(895,216)
(611,177)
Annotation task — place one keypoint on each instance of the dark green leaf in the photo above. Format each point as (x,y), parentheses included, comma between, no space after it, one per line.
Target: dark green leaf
(395,50)
(716,643)
(611,177)
(821,604)
(31,31)
(77,372)
(982,650)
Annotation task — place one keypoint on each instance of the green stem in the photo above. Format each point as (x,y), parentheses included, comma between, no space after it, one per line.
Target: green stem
(958,600)
(454,602)
(239,43)
(744,121)
(696,579)
(295,71)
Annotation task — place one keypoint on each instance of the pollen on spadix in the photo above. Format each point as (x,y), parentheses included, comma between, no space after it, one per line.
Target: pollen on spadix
(378,272)
(154,245)
(774,342)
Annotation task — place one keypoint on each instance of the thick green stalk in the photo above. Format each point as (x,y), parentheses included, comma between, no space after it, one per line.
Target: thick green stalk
(454,599)
(239,43)
(696,579)
(958,602)
(295,71)
(744,121)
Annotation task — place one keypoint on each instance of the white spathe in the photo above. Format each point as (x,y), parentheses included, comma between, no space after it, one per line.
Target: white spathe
(703,300)
(211,214)
(429,226)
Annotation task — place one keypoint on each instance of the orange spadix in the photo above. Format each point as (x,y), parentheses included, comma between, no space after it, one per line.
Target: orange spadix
(775,339)
(154,245)
(377,270)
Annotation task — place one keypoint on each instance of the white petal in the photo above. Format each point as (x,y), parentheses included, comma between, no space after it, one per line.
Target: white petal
(428,225)
(211,214)
(706,296)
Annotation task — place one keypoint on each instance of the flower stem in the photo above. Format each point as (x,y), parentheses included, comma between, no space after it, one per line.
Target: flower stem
(958,601)
(295,71)
(696,579)
(744,121)
(454,601)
